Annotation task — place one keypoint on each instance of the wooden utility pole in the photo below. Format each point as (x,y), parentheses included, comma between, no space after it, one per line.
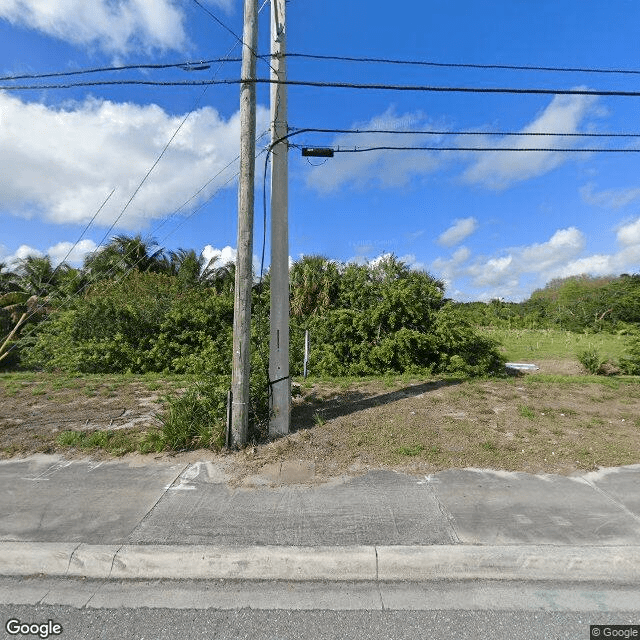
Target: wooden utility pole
(279,314)
(240,378)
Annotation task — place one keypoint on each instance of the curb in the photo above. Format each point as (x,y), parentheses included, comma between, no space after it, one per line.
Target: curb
(355,563)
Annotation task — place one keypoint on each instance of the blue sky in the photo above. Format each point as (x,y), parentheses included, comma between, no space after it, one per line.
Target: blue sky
(491,225)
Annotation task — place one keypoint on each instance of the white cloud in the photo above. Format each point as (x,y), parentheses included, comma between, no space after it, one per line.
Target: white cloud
(449,270)
(458,231)
(609,198)
(563,246)
(23,251)
(220,256)
(382,168)
(65,162)
(499,170)
(70,253)
(62,251)
(542,260)
(229,254)
(629,234)
(517,271)
(595,265)
(413,263)
(115,27)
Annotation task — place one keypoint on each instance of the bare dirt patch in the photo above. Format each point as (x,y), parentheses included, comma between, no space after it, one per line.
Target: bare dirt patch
(534,423)
(35,409)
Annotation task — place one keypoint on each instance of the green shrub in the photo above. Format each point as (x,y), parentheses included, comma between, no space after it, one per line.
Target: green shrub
(591,360)
(630,363)
(196,419)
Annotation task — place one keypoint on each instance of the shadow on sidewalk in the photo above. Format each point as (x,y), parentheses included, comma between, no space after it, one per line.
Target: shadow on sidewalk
(304,415)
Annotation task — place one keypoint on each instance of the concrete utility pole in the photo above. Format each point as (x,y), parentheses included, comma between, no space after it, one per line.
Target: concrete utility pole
(279,316)
(240,377)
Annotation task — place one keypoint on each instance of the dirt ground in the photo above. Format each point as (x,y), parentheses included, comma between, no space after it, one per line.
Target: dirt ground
(418,426)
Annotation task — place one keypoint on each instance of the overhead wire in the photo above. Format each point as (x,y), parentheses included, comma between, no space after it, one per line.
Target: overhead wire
(446,132)
(75,244)
(335,85)
(185,66)
(462,65)
(234,34)
(190,64)
(487,149)
(222,24)
(162,153)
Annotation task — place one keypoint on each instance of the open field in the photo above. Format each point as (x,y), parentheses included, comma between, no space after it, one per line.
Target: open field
(527,345)
(536,423)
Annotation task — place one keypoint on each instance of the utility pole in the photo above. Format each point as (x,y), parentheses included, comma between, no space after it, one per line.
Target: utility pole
(240,378)
(279,313)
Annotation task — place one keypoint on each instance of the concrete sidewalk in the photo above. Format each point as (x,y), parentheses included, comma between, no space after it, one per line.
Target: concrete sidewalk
(183,521)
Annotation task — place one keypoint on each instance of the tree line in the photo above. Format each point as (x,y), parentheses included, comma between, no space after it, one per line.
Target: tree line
(133,307)
(577,303)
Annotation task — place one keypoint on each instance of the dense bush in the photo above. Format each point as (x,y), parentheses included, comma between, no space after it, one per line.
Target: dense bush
(363,320)
(146,322)
(382,318)
(630,363)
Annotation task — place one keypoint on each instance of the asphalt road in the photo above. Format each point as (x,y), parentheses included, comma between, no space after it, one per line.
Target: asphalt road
(215,624)
(146,610)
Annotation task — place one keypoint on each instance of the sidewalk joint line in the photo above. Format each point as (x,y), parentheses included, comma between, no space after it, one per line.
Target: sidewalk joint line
(71,557)
(155,504)
(375,548)
(612,499)
(113,560)
(446,513)
(95,593)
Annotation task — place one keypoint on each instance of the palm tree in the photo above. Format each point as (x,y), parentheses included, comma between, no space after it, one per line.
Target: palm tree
(221,278)
(37,276)
(314,285)
(33,284)
(124,254)
(8,279)
(187,266)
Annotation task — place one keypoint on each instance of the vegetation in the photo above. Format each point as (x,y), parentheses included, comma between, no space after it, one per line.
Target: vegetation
(577,304)
(133,308)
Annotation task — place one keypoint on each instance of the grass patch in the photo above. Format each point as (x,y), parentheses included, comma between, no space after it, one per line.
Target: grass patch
(384,422)
(318,419)
(548,344)
(116,443)
(527,412)
(414,450)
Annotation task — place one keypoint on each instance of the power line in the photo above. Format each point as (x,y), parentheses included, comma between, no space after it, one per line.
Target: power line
(297,132)
(460,65)
(75,244)
(144,179)
(335,85)
(222,24)
(188,65)
(489,149)
(146,176)
(233,33)
(467,133)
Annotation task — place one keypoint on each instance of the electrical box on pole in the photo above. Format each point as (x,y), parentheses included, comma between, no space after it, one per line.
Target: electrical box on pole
(280,381)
